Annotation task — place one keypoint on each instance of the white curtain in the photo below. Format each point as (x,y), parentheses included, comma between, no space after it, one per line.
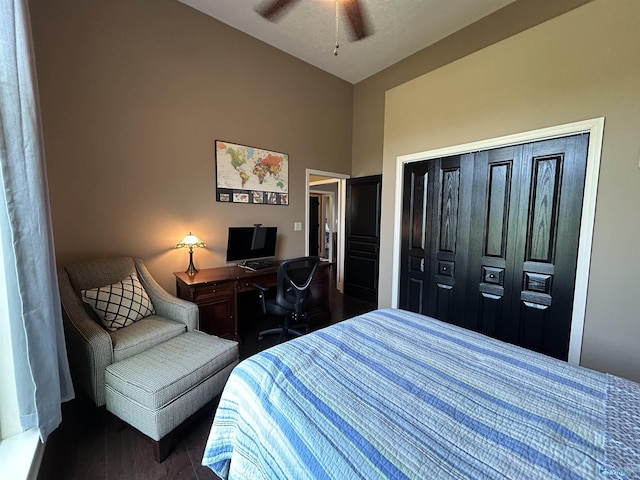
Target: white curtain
(40,360)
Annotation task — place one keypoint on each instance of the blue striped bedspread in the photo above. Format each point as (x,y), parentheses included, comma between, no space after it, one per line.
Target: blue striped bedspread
(392,394)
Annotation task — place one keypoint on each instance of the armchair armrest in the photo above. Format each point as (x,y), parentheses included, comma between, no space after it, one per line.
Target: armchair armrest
(165,304)
(89,346)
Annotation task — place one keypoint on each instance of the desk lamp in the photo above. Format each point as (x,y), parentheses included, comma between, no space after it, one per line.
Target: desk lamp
(191,241)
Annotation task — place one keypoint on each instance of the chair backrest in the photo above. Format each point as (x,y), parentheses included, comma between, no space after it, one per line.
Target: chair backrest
(294,279)
(98,273)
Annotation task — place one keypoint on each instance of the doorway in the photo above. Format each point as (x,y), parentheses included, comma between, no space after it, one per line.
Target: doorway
(329,189)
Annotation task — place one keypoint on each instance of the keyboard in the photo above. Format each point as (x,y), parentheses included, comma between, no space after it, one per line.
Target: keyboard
(259,265)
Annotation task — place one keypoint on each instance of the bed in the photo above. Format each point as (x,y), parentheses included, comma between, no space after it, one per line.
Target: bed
(393,394)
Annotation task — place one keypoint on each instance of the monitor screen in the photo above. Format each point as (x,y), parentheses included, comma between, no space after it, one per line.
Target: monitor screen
(246,243)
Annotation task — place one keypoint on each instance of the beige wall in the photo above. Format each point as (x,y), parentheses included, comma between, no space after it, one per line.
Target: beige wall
(368,99)
(133,95)
(581,65)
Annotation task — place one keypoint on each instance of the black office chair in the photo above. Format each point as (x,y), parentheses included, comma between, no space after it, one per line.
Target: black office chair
(294,279)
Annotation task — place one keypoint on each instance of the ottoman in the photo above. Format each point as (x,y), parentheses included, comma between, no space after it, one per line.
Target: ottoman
(157,390)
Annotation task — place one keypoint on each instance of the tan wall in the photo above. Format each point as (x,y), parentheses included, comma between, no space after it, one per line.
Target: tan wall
(368,100)
(581,65)
(133,95)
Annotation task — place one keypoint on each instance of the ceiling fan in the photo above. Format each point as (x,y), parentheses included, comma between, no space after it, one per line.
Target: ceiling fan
(273,9)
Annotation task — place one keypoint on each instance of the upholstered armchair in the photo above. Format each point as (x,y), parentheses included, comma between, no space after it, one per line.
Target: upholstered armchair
(92,344)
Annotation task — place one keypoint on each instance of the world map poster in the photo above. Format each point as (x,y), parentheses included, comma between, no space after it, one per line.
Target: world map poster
(251,175)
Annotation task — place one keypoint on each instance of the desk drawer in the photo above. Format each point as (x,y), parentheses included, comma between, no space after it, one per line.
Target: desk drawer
(212,291)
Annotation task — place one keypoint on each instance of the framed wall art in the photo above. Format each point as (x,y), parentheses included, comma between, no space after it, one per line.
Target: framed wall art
(251,175)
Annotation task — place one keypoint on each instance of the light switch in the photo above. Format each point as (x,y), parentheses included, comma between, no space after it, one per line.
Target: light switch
(297,226)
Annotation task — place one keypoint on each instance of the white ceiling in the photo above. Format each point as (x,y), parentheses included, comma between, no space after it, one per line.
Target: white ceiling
(307,30)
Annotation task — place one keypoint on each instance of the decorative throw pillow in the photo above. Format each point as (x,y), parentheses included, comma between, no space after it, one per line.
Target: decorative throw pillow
(119,304)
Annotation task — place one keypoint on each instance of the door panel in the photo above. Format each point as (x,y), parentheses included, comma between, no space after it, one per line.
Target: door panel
(498,208)
(490,312)
(543,214)
(491,251)
(449,209)
(442,291)
(414,231)
(550,212)
(492,268)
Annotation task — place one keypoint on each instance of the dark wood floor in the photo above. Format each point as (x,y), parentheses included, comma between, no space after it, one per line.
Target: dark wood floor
(91,444)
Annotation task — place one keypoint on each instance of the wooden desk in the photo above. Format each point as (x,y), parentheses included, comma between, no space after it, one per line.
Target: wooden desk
(215,291)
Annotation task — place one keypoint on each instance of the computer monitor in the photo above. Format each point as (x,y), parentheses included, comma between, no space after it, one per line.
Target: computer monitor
(249,243)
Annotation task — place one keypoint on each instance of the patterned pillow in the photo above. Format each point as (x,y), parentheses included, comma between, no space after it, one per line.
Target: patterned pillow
(119,304)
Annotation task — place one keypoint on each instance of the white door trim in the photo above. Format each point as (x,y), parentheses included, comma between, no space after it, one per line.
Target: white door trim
(595,128)
(341,180)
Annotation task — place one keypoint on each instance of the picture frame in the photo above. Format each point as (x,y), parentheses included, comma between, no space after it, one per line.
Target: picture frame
(251,175)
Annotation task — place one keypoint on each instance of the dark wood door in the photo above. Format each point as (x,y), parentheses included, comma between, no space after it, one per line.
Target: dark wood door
(435,247)
(498,185)
(500,232)
(362,237)
(415,239)
(314,225)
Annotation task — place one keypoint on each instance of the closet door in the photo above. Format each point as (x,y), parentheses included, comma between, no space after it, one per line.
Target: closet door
(493,249)
(415,238)
(436,223)
(490,240)
(448,225)
(547,236)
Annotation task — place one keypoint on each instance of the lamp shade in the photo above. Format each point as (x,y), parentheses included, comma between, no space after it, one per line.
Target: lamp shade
(191,241)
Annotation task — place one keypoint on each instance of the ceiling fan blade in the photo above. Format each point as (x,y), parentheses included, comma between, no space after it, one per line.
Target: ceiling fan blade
(274,9)
(357,18)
